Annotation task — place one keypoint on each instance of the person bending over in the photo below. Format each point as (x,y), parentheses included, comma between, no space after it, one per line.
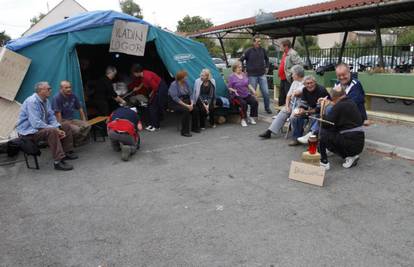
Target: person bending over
(123,126)
(150,85)
(242,94)
(346,137)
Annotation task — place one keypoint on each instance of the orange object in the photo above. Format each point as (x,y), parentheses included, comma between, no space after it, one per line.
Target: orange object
(313,144)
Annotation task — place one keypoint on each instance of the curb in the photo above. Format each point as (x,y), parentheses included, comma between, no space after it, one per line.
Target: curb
(392,150)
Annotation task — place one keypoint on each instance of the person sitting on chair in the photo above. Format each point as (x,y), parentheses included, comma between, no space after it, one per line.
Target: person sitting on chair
(204,96)
(312,95)
(64,104)
(151,85)
(346,137)
(293,98)
(242,94)
(181,102)
(123,126)
(37,122)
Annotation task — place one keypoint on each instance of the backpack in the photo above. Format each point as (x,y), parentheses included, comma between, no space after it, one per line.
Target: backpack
(22,144)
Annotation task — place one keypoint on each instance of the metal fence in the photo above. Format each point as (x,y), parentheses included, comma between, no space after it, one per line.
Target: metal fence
(398,58)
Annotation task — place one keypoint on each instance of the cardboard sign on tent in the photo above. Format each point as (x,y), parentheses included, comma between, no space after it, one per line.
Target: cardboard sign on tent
(13,68)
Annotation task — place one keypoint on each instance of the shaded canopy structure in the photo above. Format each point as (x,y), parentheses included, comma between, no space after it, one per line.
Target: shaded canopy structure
(327,17)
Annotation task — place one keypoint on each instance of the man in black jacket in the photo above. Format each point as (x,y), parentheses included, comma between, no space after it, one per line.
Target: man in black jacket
(312,95)
(346,137)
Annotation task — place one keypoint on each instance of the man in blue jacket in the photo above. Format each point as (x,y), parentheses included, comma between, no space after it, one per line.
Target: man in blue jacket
(353,88)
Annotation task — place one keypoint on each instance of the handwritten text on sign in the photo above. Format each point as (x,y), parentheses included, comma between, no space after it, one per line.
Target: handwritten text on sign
(307,173)
(128,38)
(13,68)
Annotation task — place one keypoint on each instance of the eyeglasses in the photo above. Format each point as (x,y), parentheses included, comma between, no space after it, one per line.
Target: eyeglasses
(49,88)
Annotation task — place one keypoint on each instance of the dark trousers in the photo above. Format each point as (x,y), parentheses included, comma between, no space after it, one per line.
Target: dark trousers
(204,114)
(344,145)
(154,110)
(51,136)
(284,89)
(243,102)
(186,116)
(162,99)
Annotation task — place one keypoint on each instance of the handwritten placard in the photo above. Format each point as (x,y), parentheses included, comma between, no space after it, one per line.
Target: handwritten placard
(9,113)
(13,68)
(307,173)
(128,38)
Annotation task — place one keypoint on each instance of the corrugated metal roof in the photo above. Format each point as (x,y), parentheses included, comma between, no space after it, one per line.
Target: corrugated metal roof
(300,11)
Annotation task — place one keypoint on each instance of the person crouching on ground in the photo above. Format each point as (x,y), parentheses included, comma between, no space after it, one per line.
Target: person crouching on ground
(242,94)
(123,126)
(346,137)
(64,105)
(204,96)
(292,98)
(37,122)
(151,85)
(181,101)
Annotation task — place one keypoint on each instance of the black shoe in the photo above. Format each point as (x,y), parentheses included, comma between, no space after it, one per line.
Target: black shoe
(63,166)
(266,135)
(186,134)
(269,111)
(196,130)
(70,156)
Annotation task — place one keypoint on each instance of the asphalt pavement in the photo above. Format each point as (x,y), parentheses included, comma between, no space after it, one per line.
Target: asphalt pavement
(220,198)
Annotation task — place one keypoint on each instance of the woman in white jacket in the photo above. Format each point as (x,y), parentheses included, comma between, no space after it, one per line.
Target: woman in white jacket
(204,96)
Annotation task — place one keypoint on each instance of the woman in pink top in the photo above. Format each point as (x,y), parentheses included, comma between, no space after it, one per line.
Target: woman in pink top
(242,94)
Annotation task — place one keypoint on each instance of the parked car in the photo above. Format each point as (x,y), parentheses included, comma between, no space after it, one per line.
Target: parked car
(231,61)
(220,64)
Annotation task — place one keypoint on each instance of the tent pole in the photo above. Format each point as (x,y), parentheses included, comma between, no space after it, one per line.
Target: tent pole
(307,49)
(220,38)
(293,41)
(341,53)
(379,43)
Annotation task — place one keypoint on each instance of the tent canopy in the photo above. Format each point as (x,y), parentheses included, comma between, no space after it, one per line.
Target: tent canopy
(54,56)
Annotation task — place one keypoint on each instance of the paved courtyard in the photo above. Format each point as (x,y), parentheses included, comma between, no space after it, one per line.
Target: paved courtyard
(221,198)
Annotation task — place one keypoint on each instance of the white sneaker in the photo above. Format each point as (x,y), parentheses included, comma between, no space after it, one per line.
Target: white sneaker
(274,117)
(243,123)
(252,121)
(350,162)
(304,139)
(327,166)
(150,128)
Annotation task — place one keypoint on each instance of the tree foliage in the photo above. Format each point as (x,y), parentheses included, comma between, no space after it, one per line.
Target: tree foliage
(193,24)
(406,37)
(131,8)
(36,19)
(235,46)
(4,38)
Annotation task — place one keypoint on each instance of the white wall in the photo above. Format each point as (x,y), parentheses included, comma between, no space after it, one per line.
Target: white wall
(67,8)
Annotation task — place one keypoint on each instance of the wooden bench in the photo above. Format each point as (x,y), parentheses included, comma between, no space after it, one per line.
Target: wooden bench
(96,125)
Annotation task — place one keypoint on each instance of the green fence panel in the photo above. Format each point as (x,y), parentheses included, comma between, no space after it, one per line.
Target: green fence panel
(390,84)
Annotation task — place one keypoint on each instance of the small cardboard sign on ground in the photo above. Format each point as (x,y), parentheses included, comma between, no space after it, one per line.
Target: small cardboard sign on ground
(13,68)
(9,113)
(307,173)
(128,38)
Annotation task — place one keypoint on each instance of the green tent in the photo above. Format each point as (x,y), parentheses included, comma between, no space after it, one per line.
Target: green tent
(54,52)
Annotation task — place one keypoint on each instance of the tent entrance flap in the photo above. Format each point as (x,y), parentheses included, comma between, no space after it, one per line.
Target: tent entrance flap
(94,59)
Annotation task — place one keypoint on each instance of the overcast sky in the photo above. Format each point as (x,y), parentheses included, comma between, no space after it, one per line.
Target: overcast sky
(15,14)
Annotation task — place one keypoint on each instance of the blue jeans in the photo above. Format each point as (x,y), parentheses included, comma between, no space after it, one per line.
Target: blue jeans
(264,89)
